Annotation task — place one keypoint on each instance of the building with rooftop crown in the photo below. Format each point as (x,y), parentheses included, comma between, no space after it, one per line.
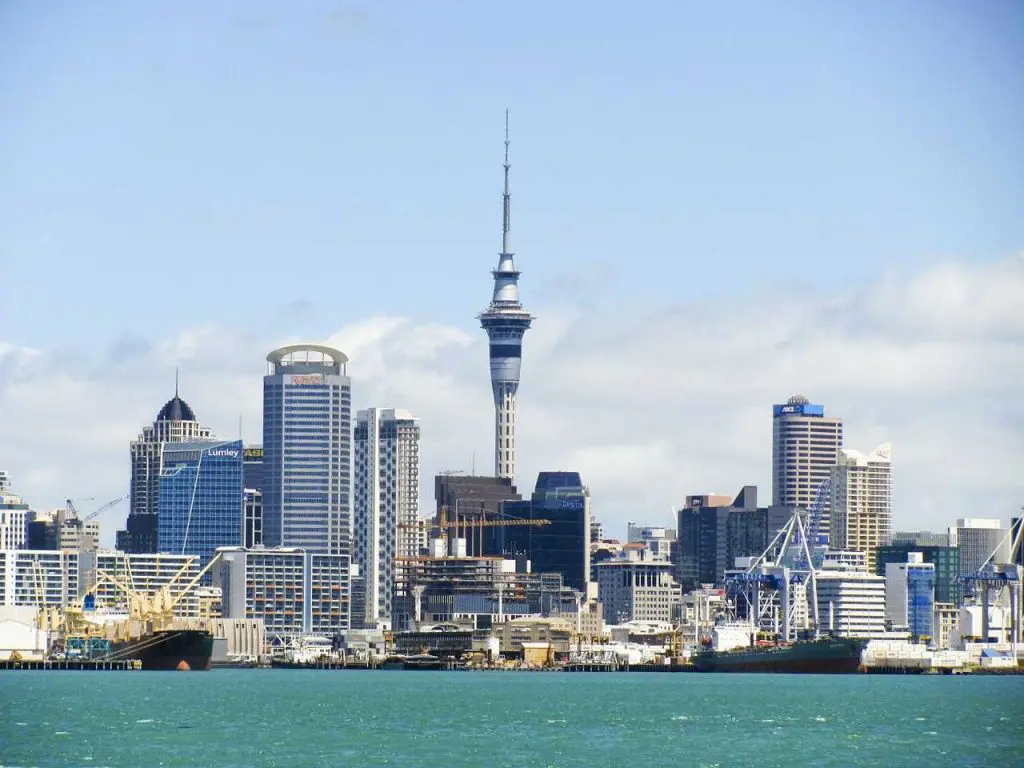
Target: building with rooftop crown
(176,422)
(307,450)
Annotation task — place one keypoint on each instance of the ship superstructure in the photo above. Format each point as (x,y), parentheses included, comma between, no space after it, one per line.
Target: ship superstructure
(505,321)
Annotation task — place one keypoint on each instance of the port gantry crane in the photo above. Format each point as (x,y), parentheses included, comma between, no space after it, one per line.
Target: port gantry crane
(1000,583)
(778,592)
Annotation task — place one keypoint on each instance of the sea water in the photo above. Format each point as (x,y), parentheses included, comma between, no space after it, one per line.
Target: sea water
(229,718)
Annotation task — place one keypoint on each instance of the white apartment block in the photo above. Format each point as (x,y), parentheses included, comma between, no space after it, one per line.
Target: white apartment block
(294,592)
(387,479)
(862,501)
(119,575)
(14,514)
(805,447)
(633,590)
(977,538)
(851,603)
(38,578)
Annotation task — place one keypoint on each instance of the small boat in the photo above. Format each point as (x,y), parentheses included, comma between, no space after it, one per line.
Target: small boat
(419,661)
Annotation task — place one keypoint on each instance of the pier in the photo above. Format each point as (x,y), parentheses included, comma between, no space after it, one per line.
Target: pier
(78,665)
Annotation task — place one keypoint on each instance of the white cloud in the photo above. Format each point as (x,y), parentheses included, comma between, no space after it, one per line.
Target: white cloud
(648,403)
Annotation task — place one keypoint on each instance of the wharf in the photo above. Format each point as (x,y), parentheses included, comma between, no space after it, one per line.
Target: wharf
(624,667)
(79,665)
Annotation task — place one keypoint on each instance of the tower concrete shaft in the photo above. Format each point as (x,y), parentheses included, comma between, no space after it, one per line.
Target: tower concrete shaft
(505,322)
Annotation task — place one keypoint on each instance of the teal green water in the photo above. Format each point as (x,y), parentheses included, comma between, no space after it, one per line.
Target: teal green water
(229,718)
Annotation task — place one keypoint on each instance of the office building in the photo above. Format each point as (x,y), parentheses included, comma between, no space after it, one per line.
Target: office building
(714,530)
(175,423)
(862,501)
(945,559)
(472,497)
(5,480)
(910,596)
(505,322)
(252,467)
(201,500)
(387,479)
(563,545)
(805,447)
(636,589)
(14,520)
(851,601)
(977,539)
(307,450)
(252,504)
(147,574)
(292,591)
(38,578)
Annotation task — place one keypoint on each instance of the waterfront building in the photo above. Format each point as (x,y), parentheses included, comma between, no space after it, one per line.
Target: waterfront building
(946,560)
(505,321)
(14,521)
(563,545)
(201,498)
(851,603)
(293,592)
(307,450)
(805,447)
(910,596)
(637,589)
(38,578)
(862,501)
(976,539)
(176,422)
(387,479)
(147,574)
(944,622)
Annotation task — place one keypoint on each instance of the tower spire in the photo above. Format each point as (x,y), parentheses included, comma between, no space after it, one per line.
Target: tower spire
(175,381)
(506,198)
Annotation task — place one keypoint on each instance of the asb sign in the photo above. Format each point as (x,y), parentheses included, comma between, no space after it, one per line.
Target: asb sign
(253,453)
(307,378)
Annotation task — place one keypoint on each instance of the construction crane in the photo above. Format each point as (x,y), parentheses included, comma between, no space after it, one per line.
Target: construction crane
(109,505)
(72,512)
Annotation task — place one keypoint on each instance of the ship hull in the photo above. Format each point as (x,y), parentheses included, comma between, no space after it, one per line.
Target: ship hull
(167,649)
(836,657)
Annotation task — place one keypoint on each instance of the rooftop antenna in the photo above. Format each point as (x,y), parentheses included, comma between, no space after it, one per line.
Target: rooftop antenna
(239,426)
(506,197)
(175,381)
(474,463)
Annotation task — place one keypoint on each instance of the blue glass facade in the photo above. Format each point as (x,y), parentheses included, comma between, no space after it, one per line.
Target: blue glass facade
(307,451)
(920,600)
(200,498)
(562,547)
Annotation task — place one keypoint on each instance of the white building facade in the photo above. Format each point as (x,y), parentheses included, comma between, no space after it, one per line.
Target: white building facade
(14,516)
(387,479)
(38,578)
(862,501)
(634,590)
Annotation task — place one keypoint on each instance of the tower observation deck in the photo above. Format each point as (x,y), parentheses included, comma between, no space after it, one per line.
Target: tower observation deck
(505,321)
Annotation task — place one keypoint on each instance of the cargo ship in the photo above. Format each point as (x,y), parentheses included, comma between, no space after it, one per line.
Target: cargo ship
(168,649)
(826,656)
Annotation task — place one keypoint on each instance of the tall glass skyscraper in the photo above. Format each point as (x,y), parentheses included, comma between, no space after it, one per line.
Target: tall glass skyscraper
(307,450)
(200,499)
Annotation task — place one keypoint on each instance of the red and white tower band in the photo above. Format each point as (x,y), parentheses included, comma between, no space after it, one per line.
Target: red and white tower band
(505,321)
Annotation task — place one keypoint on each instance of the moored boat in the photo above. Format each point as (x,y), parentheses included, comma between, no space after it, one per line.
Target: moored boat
(826,656)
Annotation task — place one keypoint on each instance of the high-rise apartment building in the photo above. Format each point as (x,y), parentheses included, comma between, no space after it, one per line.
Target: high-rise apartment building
(862,501)
(175,423)
(505,322)
(805,447)
(307,450)
(201,499)
(38,578)
(387,479)
(14,520)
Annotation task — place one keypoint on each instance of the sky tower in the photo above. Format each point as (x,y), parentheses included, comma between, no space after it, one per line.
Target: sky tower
(505,321)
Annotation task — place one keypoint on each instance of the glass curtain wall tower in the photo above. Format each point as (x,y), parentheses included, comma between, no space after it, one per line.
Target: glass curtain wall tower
(505,322)
(307,450)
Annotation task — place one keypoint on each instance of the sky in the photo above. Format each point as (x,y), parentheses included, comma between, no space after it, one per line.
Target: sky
(715,206)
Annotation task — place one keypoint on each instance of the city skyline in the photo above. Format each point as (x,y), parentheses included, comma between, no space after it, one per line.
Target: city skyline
(838,210)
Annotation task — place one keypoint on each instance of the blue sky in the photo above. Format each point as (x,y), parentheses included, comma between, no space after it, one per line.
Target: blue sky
(325,161)
(715,205)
